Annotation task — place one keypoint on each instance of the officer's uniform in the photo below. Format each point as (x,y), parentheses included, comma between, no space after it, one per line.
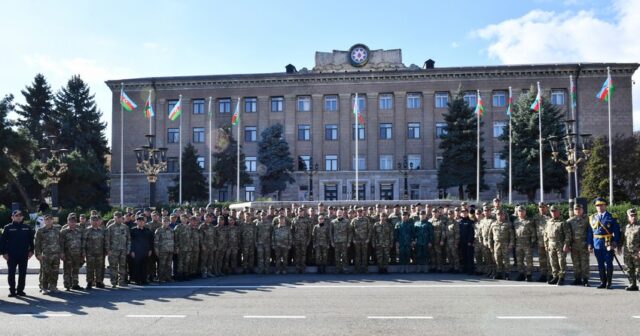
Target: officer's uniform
(603,237)
(17,243)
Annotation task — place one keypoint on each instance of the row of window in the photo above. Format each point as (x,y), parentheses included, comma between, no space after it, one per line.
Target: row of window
(385,102)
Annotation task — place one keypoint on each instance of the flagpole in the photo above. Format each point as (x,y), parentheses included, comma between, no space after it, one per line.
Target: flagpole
(238,156)
(180,157)
(609,93)
(478,154)
(540,143)
(357,158)
(121,149)
(573,116)
(510,161)
(210,146)
(150,127)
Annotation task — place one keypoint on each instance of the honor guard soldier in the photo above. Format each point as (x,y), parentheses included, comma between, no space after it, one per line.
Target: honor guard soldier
(632,248)
(603,239)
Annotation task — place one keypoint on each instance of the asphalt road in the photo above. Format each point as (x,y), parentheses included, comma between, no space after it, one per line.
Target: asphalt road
(393,304)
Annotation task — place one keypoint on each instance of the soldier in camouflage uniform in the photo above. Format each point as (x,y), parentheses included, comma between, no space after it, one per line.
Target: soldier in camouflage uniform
(360,231)
(438,253)
(579,225)
(301,227)
(524,229)
(194,246)
(403,236)
(481,263)
(501,238)
(341,239)
(183,247)
(541,222)
(48,252)
(263,241)
(382,241)
(222,238)
(71,244)
(631,243)
(153,225)
(233,244)
(485,227)
(453,242)
(119,247)
(423,238)
(248,236)
(96,247)
(282,242)
(557,236)
(321,241)
(164,247)
(208,250)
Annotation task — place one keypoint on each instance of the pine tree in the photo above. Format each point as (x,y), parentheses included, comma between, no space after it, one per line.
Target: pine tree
(459,145)
(37,114)
(525,148)
(194,185)
(225,161)
(626,177)
(275,157)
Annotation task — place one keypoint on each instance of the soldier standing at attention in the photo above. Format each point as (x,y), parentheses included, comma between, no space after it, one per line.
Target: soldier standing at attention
(47,248)
(195,246)
(438,253)
(603,239)
(233,244)
(222,238)
(119,247)
(16,247)
(631,242)
(487,249)
(208,240)
(361,235)
(579,226)
(321,242)
(301,228)
(383,241)
(453,241)
(282,242)
(467,236)
(96,245)
(249,231)
(541,222)
(183,247)
(153,225)
(403,236)
(263,241)
(423,238)
(141,247)
(164,246)
(557,235)
(478,253)
(501,238)
(524,230)
(340,238)
(73,254)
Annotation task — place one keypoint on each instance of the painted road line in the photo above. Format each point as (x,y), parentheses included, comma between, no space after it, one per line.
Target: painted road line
(638,317)
(45,315)
(453,286)
(531,317)
(274,316)
(157,316)
(400,317)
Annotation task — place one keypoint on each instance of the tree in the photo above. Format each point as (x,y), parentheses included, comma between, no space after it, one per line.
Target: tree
(194,185)
(225,161)
(275,158)
(459,145)
(626,177)
(37,114)
(525,150)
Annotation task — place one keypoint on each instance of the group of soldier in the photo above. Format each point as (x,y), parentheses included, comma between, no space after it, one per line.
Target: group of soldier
(211,242)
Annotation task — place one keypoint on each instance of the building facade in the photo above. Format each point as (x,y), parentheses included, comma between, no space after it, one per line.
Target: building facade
(402,107)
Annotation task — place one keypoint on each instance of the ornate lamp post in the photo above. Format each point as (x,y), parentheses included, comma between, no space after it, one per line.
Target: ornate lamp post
(53,166)
(574,156)
(151,161)
(404,169)
(310,171)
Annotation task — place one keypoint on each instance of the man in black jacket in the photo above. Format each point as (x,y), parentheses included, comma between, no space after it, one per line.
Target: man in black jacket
(16,246)
(466,241)
(141,247)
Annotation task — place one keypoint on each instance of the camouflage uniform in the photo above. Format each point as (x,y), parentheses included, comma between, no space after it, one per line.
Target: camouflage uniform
(361,235)
(557,234)
(541,222)
(233,243)
(222,238)
(248,235)
(453,243)
(182,241)
(383,242)
(282,243)
(438,251)
(208,250)
(193,250)
(119,238)
(524,230)
(263,243)
(478,251)
(163,245)
(71,244)
(47,249)
(631,244)
(579,227)
(302,227)
(96,245)
(153,260)
(341,238)
(487,248)
(321,242)
(501,237)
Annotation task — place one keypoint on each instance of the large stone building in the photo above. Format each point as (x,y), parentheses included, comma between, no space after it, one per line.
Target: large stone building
(402,105)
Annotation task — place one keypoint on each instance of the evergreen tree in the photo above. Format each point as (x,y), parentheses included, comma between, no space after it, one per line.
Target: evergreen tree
(525,148)
(459,145)
(626,175)
(275,157)
(37,114)
(194,185)
(225,161)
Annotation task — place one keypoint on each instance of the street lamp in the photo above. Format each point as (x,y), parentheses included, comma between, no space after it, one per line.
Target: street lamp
(310,171)
(404,169)
(574,157)
(53,166)
(151,161)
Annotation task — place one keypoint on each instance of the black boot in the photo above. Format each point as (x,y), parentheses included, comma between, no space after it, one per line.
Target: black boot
(609,278)
(529,278)
(603,280)
(575,282)
(542,278)
(553,281)
(560,282)
(585,282)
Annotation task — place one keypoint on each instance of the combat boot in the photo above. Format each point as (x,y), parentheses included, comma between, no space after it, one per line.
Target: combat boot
(585,282)
(575,282)
(609,278)
(529,278)
(542,278)
(100,285)
(553,280)
(632,286)
(89,286)
(498,277)
(520,277)
(560,282)
(603,280)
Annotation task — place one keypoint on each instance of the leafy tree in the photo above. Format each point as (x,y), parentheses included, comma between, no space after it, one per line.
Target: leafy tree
(37,114)
(459,145)
(225,161)
(194,185)
(626,177)
(525,148)
(275,159)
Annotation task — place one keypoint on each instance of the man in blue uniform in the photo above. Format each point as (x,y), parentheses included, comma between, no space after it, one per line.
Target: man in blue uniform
(17,246)
(603,238)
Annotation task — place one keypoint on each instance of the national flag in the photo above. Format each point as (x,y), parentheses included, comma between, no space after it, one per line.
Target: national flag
(536,103)
(126,102)
(236,114)
(176,111)
(148,108)
(574,95)
(356,111)
(509,103)
(606,91)
(479,107)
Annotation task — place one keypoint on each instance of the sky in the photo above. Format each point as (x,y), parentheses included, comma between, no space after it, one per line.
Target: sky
(106,40)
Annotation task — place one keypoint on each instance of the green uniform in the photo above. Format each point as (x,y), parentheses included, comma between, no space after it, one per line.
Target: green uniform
(47,250)
(248,232)
(164,247)
(557,234)
(282,241)
(524,230)
(119,238)
(96,245)
(579,227)
(71,244)
(631,245)
(341,238)
(301,227)
(361,236)
(383,242)
(263,243)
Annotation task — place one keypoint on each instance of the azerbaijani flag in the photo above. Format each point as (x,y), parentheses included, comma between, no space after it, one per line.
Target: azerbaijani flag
(126,102)
(236,114)
(606,91)
(509,103)
(148,109)
(356,111)
(176,111)
(479,107)
(536,103)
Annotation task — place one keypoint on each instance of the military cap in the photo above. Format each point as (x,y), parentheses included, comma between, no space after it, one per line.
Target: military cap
(577,206)
(520,208)
(147,209)
(94,217)
(396,205)
(418,204)
(486,208)
(16,212)
(434,209)
(456,209)
(554,208)
(422,212)
(600,201)
(140,218)
(48,216)
(484,204)
(499,211)
(405,213)
(542,205)
(117,214)
(320,204)
(631,211)
(464,204)
(72,216)
(496,200)
(478,211)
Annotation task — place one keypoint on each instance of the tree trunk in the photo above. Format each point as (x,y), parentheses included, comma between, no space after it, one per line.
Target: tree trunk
(460,192)
(23,193)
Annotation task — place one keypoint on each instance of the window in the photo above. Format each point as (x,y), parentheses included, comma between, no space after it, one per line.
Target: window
(250,134)
(557,97)
(251,104)
(331,162)
(224,105)
(173,165)
(413,131)
(173,135)
(500,99)
(304,162)
(360,132)
(277,104)
(439,160)
(442,99)
(362,102)
(498,128)
(414,161)
(386,101)
(304,104)
(331,132)
(499,163)
(362,163)
(386,191)
(304,132)
(386,162)
(330,192)
(414,101)
(198,134)
(198,106)
(250,163)
(414,191)
(361,193)
(200,160)
(441,129)
(170,105)
(330,103)
(386,131)
(470,98)
(249,194)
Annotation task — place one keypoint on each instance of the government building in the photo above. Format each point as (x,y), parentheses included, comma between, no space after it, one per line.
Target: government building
(402,105)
